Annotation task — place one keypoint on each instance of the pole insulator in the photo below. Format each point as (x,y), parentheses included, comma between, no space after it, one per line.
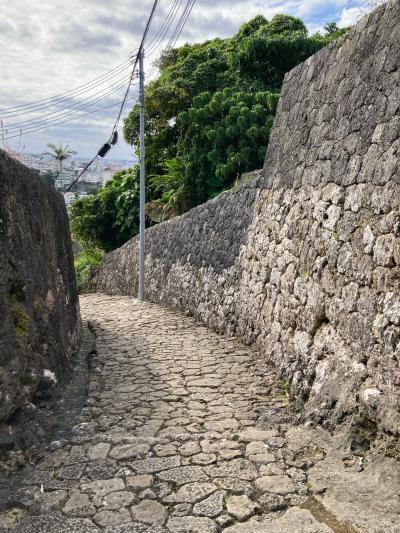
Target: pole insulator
(104,150)
(114,138)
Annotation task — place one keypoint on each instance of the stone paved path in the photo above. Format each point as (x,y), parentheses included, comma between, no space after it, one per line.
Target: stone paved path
(184,431)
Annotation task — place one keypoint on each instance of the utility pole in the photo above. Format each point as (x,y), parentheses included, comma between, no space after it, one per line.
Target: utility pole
(142,180)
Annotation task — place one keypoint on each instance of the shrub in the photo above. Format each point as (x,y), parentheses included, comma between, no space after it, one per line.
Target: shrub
(85,263)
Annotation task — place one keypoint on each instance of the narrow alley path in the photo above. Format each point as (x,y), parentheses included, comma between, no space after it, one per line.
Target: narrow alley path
(183,432)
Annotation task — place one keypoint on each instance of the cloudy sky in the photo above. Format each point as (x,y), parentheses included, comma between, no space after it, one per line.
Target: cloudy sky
(53,47)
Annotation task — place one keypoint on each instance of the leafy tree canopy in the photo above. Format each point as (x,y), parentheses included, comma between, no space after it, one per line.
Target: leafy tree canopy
(226,134)
(333,31)
(209,110)
(108,218)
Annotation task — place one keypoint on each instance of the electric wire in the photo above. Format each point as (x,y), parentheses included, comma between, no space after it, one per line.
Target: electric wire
(177,31)
(158,33)
(75,180)
(49,101)
(181,24)
(173,39)
(154,44)
(10,129)
(62,101)
(7,112)
(64,121)
(59,113)
(111,89)
(158,39)
(167,45)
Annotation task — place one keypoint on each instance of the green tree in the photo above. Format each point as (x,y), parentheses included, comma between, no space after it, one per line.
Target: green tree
(109,218)
(286,23)
(226,134)
(248,28)
(170,185)
(60,154)
(203,112)
(275,48)
(333,31)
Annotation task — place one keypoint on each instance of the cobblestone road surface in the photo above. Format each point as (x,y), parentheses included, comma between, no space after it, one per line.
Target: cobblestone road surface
(183,432)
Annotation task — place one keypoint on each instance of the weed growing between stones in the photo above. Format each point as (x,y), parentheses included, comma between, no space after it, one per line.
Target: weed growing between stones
(225,500)
(286,395)
(174,487)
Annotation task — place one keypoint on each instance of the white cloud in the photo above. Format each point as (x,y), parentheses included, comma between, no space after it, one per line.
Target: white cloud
(350,16)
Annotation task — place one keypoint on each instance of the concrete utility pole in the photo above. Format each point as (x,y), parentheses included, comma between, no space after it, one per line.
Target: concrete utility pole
(142,180)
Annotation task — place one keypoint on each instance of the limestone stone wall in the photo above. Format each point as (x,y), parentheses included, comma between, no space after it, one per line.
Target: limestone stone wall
(39,309)
(304,261)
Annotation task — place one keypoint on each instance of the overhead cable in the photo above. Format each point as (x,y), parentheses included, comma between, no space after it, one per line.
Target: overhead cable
(11,111)
(158,38)
(16,135)
(96,97)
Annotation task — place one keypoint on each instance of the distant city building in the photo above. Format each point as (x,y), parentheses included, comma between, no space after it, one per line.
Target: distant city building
(92,175)
(67,177)
(107,174)
(98,173)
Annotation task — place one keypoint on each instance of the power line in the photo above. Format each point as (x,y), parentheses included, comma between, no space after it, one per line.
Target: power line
(8,129)
(49,101)
(41,123)
(178,30)
(62,122)
(158,38)
(60,101)
(72,108)
(75,180)
(104,93)
(78,90)
(54,121)
(7,112)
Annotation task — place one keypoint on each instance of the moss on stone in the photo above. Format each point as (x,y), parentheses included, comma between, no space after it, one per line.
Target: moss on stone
(393,452)
(20,320)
